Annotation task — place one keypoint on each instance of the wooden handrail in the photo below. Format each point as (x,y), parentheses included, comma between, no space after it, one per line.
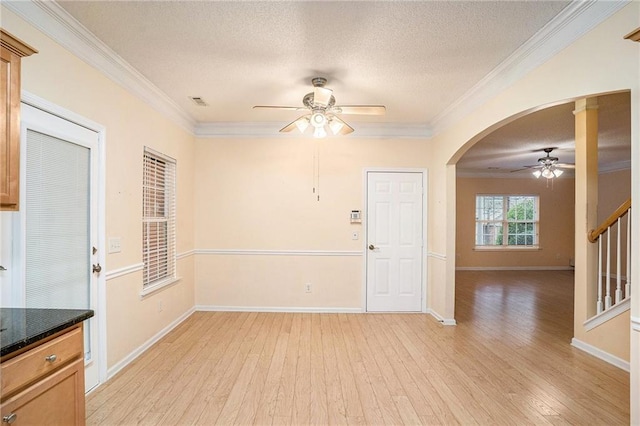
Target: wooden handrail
(620,211)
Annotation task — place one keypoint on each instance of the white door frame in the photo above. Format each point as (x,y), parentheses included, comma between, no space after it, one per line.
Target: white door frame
(365,237)
(100,314)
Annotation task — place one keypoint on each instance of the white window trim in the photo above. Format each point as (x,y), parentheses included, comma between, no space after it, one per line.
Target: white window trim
(160,285)
(507,247)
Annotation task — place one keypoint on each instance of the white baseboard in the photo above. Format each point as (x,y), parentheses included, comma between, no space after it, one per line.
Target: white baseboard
(599,353)
(320,310)
(514,268)
(444,321)
(146,345)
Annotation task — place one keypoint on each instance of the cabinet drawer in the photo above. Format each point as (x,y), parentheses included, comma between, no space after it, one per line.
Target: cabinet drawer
(41,360)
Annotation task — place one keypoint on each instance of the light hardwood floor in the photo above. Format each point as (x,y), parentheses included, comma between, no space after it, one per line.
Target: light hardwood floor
(507,362)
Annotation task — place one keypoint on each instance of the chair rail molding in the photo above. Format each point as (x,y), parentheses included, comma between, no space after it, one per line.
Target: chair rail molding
(260,252)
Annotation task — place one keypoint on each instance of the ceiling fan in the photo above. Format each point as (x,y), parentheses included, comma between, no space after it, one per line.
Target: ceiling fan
(548,167)
(321,112)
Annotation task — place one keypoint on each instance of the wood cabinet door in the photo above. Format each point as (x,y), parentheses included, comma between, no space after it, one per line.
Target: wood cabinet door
(56,400)
(9,130)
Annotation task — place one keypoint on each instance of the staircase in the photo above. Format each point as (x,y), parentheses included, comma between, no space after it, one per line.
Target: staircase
(612,283)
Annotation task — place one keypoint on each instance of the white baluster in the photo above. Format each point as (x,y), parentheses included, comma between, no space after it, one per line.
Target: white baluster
(607,297)
(627,287)
(599,278)
(618,266)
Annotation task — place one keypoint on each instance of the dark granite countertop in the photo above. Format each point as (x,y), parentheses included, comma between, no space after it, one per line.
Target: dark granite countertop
(20,327)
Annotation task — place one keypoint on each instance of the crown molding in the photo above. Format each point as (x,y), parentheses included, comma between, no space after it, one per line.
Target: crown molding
(578,18)
(51,19)
(270,130)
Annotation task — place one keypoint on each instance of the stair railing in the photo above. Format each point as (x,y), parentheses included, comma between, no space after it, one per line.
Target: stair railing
(613,223)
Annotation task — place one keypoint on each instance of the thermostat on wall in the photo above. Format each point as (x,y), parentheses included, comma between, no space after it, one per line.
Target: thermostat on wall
(355,216)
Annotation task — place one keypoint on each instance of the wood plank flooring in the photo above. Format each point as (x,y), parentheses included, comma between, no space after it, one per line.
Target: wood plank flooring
(507,362)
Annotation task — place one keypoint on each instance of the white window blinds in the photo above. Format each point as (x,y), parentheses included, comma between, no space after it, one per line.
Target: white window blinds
(158,219)
(57,245)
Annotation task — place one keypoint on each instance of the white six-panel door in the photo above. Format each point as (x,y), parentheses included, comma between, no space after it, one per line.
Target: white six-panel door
(394,241)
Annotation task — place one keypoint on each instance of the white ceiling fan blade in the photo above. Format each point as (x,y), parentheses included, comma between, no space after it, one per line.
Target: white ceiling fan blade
(360,109)
(295,124)
(339,127)
(284,108)
(321,96)
(565,165)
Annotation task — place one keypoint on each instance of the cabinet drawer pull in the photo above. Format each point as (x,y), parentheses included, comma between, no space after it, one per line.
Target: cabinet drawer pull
(51,358)
(10,418)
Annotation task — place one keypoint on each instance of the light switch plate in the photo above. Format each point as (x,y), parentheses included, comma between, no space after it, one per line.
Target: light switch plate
(115,245)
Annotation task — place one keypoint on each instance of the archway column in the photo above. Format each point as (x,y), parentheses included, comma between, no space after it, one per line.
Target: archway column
(586,210)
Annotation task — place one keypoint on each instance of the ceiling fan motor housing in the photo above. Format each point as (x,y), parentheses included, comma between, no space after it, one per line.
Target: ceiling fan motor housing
(318,81)
(308,102)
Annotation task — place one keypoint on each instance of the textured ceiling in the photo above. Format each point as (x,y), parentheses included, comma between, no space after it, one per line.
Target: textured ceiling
(416,57)
(520,142)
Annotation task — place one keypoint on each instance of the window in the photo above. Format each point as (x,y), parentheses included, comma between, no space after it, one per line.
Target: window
(506,221)
(158,220)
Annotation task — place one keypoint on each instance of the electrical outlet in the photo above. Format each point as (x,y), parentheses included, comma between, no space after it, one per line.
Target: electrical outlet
(307,288)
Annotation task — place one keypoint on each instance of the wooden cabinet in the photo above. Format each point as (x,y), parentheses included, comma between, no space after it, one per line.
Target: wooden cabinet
(11,52)
(45,384)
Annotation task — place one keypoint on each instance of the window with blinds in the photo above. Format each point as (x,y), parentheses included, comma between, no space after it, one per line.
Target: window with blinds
(158,219)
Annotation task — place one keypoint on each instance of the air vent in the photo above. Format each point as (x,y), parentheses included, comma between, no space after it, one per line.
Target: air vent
(198,101)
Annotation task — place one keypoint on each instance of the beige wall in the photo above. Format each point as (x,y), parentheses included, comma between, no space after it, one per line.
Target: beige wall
(258,195)
(614,188)
(556,223)
(61,78)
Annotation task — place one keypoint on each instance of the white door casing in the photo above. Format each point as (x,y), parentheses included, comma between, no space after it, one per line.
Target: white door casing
(38,124)
(395,242)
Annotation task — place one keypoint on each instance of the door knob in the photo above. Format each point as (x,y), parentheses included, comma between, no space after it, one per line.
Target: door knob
(97,268)
(372,247)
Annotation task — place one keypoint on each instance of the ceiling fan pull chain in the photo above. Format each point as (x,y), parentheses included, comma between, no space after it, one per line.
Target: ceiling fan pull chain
(318,169)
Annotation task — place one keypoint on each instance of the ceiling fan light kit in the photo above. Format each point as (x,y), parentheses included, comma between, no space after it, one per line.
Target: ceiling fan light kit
(549,167)
(322,112)
(548,172)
